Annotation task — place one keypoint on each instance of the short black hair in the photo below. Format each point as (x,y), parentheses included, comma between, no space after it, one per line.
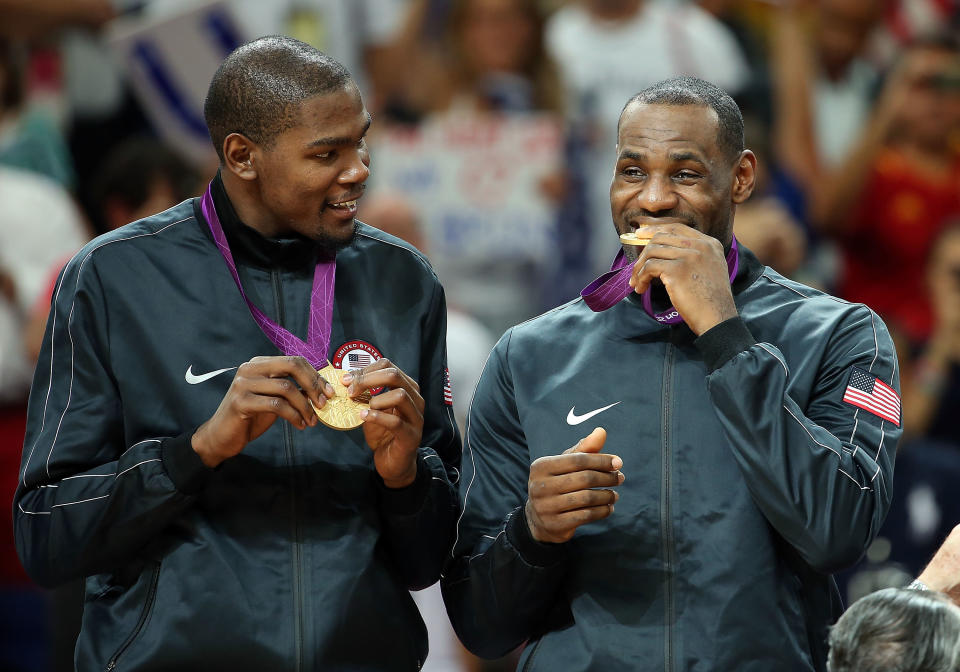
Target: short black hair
(257,89)
(694,91)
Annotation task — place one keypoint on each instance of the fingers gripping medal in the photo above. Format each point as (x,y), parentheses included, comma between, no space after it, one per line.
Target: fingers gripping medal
(634,242)
(341,412)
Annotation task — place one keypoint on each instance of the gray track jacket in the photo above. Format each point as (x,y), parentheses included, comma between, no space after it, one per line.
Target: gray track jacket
(748,480)
(291,555)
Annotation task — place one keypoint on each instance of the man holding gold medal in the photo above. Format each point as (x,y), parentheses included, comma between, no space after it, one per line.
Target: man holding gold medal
(744,434)
(240,428)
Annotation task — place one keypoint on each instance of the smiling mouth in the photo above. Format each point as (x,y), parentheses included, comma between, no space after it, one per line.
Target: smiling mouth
(344,205)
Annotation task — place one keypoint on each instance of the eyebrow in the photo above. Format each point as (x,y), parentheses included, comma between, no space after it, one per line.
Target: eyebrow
(632,155)
(334,141)
(687,156)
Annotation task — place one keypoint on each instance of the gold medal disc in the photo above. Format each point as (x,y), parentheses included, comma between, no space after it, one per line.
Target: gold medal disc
(633,238)
(341,412)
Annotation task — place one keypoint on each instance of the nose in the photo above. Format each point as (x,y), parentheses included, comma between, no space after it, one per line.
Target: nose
(357,169)
(657,194)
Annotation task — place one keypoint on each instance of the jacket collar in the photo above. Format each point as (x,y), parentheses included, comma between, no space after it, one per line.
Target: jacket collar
(249,246)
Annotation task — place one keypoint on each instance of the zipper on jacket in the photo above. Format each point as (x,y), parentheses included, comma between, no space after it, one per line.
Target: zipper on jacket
(147,608)
(666,520)
(294,512)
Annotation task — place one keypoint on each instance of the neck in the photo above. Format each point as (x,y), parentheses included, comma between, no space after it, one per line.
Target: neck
(244,195)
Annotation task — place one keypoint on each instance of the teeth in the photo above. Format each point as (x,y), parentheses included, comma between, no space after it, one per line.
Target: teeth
(345,204)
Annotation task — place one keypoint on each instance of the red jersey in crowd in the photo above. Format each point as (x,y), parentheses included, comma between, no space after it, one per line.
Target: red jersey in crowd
(899,214)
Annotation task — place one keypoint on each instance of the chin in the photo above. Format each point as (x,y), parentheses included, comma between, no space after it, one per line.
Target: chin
(335,243)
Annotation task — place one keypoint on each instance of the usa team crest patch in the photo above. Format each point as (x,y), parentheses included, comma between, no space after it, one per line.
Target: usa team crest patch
(866,391)
(356,354)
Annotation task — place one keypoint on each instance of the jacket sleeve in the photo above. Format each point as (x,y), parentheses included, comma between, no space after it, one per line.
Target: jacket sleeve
(419,520)
(822,472)
(87,498)
(500,584)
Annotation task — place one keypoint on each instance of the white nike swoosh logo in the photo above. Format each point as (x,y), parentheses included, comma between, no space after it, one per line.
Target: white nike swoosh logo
(194,379)
(574,419)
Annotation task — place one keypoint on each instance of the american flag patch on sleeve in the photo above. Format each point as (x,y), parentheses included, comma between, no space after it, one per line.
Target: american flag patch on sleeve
(868,392)
(447,391)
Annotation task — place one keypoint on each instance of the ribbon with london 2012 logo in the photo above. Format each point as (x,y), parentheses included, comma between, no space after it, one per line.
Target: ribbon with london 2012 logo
(356,354)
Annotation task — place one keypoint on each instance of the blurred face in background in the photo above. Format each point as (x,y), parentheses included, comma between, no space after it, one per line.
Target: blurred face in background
(843,28)
(497,35)
(943,276)
(933,112)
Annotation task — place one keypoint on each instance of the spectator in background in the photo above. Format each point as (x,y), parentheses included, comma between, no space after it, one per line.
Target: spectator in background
(30,138)
(931,384)
(484,153)
(490,57)
(140,177)
(899,187)
(746,20)
(823,88)
(765,223)
(39,226)
(825,81)
(897,630)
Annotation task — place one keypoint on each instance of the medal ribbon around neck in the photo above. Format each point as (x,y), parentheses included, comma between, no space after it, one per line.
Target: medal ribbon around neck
(614,285)
(314,350)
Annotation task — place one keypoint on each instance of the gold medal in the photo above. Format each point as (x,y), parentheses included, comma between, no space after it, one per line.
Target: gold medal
(341,412)
(634,238)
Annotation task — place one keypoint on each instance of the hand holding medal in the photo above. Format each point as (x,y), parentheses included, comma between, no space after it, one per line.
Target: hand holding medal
(393,420)
(693,269)
(262,390)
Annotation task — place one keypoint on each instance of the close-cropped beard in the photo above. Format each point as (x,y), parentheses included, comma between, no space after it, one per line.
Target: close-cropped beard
(333,245)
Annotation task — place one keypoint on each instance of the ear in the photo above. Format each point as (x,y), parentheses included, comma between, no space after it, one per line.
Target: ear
(744,177)
(238,156)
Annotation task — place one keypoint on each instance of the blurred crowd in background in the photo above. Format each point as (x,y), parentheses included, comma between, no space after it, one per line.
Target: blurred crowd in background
(493,149)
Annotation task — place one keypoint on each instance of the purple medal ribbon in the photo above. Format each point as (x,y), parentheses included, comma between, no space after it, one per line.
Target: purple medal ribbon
(611,287)
(314,350)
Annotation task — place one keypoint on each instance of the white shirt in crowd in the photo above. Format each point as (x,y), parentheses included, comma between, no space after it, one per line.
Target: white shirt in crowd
(40,227)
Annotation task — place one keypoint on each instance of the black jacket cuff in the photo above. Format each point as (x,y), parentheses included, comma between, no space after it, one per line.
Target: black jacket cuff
(533,552)
(409,500)
(723,342)
(185,468)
